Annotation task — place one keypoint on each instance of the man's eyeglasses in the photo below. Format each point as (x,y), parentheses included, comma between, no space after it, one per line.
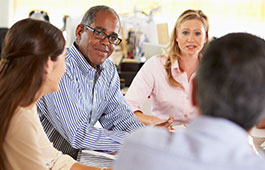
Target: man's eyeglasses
(101,35)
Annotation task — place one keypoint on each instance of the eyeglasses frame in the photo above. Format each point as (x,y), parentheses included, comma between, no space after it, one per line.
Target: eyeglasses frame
(106,36)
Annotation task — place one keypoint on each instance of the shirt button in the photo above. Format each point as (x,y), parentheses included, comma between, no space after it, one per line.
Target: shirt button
(90,81)
(185,115)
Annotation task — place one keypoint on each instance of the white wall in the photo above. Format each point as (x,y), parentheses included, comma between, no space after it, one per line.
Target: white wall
(6,8)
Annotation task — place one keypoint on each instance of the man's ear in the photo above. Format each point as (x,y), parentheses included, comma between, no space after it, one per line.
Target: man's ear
(49,66)
(79,31)
(194,93)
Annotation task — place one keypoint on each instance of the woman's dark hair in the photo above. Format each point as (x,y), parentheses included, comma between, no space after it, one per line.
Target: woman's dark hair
(26,48)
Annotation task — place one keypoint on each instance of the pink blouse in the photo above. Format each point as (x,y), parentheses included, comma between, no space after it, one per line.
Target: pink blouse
(151,80)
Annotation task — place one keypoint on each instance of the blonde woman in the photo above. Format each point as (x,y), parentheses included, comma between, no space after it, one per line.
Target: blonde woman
(166,78)
(32,64)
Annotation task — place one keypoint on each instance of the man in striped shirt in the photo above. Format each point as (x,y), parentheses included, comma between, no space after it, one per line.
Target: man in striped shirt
(89,91)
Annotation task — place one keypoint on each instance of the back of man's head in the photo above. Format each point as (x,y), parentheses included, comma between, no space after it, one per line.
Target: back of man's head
(230,80)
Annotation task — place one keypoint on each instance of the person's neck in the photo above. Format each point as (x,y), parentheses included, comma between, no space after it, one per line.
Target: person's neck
(85,57)
(38,95)
(89,62)
(188,64)
(30,106)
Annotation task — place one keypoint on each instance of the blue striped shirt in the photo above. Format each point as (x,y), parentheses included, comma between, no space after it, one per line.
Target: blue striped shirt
(208,143)
(69,115)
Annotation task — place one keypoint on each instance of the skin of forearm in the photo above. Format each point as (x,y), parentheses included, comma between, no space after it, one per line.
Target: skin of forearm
(78,166)
(147,119)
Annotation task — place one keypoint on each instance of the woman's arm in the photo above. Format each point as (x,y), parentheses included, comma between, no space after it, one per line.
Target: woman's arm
(147,119)
(78,166)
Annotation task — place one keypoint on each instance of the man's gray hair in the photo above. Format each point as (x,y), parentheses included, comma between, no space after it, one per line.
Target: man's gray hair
(90,14)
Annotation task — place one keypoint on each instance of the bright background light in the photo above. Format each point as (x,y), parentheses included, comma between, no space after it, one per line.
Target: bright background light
(225,16)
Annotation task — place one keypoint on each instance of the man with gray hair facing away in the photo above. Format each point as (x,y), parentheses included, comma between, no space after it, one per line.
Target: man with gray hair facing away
(229,93)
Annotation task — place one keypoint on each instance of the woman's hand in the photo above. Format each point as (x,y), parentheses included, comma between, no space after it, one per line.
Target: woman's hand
(167,123)
(261,124)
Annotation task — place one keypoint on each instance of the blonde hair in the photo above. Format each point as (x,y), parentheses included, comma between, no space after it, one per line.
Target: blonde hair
(173,50)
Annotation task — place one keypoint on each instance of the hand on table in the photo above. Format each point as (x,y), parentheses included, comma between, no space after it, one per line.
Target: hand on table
(167,123)
(105,168)
(261,124)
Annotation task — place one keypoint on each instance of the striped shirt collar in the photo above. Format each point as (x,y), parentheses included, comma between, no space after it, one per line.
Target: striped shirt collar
(83,65)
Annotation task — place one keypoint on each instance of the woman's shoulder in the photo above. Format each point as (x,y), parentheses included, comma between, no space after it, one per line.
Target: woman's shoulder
(157,59)
(24,114)
(23,120)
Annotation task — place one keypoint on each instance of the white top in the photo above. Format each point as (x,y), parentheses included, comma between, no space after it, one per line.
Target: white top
(26,145)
